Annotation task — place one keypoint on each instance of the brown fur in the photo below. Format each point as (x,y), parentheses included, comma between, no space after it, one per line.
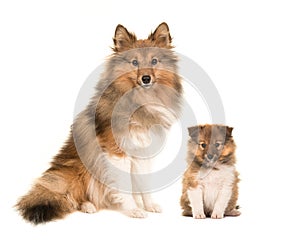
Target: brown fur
(74,179)
(197,160)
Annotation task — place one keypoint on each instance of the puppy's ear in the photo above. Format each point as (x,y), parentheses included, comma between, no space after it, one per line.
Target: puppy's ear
(123,39)
(161,36)
(229,131)
(194,133)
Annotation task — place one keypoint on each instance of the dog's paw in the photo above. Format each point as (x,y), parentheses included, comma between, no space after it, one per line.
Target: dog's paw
(88,207)
(217,215)
(199,215)
(116,199)
(135,213)
(153,208)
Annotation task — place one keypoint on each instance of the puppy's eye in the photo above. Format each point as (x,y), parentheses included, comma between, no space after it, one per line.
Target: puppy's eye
(202,145)
(135,62)
(154,61)
(218,145)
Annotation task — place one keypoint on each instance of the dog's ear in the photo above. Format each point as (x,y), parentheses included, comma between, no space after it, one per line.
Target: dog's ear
(194,133)
(161,36)
(123,39)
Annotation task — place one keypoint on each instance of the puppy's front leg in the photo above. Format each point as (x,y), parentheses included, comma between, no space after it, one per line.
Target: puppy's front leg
(222,202)
(195,196)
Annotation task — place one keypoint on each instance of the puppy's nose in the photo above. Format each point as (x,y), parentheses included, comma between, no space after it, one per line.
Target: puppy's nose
(146,79)
(210,156)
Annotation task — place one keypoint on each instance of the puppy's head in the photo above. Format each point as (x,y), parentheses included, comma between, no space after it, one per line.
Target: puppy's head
(212,144)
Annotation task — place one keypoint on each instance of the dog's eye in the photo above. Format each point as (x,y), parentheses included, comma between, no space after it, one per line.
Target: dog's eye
(217,145)
(154,61)
(135,62)
(202,145)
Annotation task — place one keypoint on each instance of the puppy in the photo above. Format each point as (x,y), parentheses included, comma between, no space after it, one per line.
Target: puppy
(210,184)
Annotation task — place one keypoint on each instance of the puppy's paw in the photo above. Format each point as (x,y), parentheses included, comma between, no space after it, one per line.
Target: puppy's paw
(153,207)
(135,213)
(233,213)
(88,207)
(217,214)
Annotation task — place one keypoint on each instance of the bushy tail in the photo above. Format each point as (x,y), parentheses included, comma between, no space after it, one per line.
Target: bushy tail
(42,205)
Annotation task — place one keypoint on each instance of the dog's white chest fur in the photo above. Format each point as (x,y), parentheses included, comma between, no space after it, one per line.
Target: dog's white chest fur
(212,181)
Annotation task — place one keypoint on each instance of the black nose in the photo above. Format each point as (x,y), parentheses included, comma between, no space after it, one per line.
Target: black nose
(210,156)
(146,79)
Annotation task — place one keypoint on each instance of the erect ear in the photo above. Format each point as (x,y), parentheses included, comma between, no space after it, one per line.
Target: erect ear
(229,131)
(123,39)
(194,132)
(161,36)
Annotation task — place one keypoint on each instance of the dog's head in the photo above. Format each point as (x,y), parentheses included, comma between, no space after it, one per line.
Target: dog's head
(144,62)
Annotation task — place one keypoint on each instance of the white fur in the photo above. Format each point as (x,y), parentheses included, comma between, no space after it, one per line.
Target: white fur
(213,191)
(123,183)
(139,139)
(195,196)
(135,138)
(167,115)
(141,186)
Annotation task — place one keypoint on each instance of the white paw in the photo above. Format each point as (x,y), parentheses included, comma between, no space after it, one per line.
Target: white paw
(199,215)
(153,208)
(88,207)
(217,215)
(135,213)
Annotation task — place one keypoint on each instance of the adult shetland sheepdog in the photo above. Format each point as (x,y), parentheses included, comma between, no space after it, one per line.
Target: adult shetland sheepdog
(103,162)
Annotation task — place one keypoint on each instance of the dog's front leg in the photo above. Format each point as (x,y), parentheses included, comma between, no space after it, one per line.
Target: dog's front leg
(141,180)
(122,182)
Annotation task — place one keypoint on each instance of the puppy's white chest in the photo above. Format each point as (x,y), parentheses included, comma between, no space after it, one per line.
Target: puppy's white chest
(212,181)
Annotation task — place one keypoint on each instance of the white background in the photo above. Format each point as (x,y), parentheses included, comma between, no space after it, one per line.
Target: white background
(251,51)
